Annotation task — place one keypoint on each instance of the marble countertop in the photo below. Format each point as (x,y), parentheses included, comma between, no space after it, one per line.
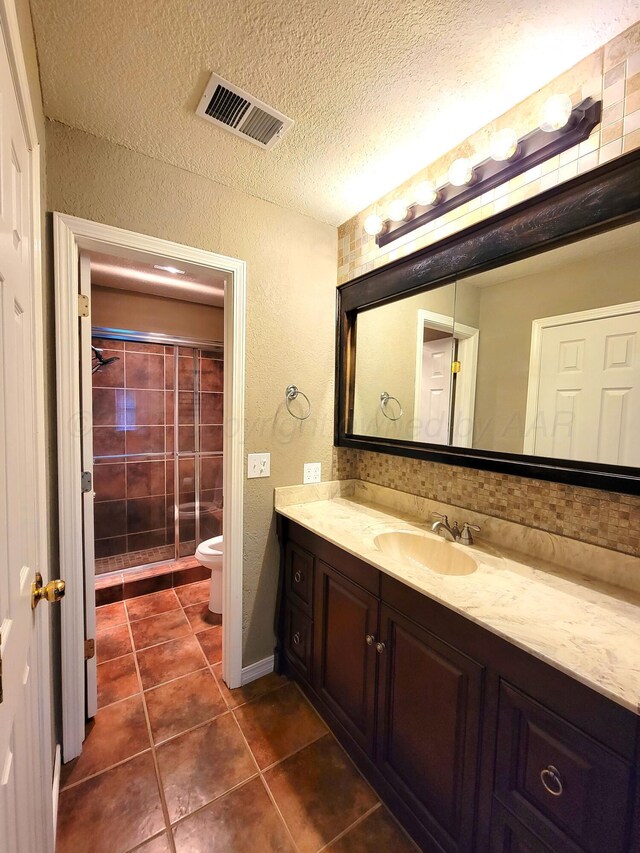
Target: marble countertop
(583,626)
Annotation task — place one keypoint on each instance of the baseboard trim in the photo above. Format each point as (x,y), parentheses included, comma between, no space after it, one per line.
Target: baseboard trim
(257,670)
(57,766)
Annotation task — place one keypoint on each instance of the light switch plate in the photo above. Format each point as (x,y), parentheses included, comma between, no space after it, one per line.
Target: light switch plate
(258,465)
(312,471)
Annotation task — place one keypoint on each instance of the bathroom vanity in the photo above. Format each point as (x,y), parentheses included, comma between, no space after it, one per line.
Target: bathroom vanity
(493,702)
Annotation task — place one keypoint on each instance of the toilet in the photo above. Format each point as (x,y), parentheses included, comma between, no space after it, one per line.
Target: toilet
(209,554)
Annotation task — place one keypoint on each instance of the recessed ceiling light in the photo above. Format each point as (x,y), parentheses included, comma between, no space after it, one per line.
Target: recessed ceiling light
(173,270)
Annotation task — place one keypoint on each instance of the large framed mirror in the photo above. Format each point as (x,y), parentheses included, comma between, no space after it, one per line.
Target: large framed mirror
(513,346)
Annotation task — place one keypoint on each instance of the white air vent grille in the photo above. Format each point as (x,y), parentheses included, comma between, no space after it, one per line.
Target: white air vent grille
(246,116)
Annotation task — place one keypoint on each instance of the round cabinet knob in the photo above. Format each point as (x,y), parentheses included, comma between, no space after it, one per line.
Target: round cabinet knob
(380,647)
(550,778)
(298,576)
(370,639)
(296,638)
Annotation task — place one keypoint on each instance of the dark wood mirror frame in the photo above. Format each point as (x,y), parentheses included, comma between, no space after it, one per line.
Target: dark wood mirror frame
(598,201)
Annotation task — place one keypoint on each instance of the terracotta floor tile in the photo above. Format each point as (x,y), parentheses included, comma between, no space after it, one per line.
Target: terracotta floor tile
(150,605)
(110,615)
(113,643)
(169,660)
(378,831)
(117,679)
(211,642)
(117,732)
(279,723)
(248,692)
(159,844)
(181,704)
(202,764)
(244,821)
(319,793)
(200,617)
(112,812)
(194,593)
(159,629)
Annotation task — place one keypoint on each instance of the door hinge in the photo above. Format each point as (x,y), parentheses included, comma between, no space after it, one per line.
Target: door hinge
(455,366)
(83,305)
(89,649)
(85,481)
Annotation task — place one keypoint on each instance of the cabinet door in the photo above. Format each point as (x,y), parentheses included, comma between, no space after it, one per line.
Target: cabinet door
(345,664)
(429,728)
(298,640)
(510,836)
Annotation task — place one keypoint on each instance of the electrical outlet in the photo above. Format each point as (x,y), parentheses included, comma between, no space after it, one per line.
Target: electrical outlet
(258,465)
(312,472)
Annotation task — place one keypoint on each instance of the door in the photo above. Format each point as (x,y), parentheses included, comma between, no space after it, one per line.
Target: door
(88,533)
(586,379)
(429,728)
(435,393)
(345,652)
(26,820)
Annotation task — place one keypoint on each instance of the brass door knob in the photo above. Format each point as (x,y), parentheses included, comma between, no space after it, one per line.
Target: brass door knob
(53,591)
(369,639)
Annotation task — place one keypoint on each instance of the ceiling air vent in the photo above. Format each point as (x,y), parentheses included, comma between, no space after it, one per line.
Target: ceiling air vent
(242,114)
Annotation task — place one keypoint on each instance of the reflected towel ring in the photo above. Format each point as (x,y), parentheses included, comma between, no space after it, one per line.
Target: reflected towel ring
(290,394)
(384,399)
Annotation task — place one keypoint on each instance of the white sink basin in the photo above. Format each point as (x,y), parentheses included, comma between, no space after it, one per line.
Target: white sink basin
(426,551)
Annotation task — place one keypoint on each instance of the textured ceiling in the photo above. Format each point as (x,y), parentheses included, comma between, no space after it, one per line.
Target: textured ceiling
(377,88)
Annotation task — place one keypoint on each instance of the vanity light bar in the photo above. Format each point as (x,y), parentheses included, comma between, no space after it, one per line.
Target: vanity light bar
(534,148)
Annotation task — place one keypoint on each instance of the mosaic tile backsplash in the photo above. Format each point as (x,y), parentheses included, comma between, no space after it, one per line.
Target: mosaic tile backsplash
(589,515)
(611,520)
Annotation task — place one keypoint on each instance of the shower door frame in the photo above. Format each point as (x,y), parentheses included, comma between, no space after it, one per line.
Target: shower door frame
(175,341)
(71,236)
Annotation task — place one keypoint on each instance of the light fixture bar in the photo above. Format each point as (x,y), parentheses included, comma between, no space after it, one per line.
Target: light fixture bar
(533,149)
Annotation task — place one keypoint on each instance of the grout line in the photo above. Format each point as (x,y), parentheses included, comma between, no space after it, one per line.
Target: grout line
(351,826)
(154,757)
(104,770)
(191,729)
(291,754)
(171,680)
(220,796)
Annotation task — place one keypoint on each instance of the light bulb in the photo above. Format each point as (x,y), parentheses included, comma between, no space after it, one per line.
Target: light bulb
(461,172)
(426,193)
(397,210)
(373,224)
(556,113)
(504,145)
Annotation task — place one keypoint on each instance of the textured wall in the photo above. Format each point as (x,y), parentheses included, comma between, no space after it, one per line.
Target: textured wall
(290,315)
(145,312)
(613,74)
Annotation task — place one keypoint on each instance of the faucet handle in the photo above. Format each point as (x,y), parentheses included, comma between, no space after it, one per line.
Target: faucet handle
(440,516)
(465,537)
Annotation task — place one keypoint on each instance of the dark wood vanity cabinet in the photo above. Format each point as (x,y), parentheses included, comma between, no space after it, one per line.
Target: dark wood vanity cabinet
(473,743)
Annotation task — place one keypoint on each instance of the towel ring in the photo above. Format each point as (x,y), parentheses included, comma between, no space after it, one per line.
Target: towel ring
(384,399)
(290,394)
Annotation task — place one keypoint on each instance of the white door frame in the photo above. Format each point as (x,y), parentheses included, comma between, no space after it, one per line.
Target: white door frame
(537,328)
(46,795)
(466,386)
(71,235)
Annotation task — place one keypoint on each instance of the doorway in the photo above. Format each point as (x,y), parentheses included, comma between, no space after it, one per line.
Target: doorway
(74,238)
(446,370)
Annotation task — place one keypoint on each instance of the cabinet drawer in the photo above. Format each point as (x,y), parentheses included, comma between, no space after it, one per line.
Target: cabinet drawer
(559,781)
(299,569)
(509,836)
(298,638)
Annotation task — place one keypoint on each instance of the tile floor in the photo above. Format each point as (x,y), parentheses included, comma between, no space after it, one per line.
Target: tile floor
(176,761)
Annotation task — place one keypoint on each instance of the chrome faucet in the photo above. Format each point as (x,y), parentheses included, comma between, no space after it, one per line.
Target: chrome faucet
(451,531)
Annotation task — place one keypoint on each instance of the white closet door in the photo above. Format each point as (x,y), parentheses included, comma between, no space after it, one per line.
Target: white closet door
(589,391)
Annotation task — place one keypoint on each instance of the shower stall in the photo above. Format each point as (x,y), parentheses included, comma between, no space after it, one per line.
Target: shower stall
(157,446)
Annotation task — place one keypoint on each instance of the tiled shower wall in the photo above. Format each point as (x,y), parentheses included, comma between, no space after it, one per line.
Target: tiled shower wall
(135,448)
(603,518)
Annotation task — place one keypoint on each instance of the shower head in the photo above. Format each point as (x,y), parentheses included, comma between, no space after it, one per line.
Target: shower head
(101,360)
